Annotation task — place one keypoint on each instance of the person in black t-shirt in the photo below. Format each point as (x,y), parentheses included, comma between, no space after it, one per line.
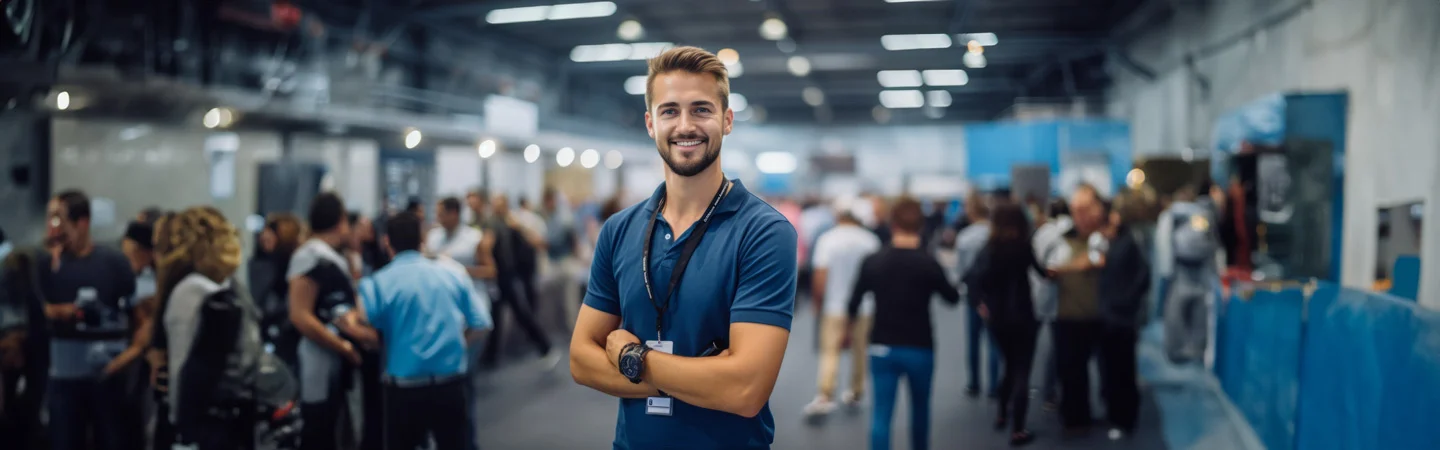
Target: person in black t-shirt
(514,254)
(903,278)
(88,293)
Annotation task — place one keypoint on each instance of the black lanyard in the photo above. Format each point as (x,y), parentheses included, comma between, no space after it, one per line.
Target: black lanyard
(690,244)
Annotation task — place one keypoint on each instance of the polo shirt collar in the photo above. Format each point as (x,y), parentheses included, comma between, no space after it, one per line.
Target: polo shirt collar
(407,255)
(729,204)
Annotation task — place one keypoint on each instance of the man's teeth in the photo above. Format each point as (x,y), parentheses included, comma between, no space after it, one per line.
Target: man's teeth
(687,143)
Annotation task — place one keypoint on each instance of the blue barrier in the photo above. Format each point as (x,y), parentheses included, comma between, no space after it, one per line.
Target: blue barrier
(1340,370)
(1258,361)
(1405,278)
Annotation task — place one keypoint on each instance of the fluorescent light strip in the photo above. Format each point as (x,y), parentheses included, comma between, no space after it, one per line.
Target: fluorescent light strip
(946,78)
(902,99)
(618,52)
(938,99)
(897,42)
(556,12)
(899,78)
(776,162)
(984,39)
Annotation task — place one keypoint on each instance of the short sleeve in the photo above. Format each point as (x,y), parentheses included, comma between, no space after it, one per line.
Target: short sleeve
(603,293)
(302,262)
(766,291)
(370,300)
(824,248)
(472,305)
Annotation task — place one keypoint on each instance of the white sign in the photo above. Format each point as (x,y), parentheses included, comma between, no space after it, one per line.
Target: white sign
(512,117)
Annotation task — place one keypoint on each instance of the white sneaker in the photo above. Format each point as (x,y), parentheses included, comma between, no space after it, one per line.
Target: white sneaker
(820,406)
(850,399)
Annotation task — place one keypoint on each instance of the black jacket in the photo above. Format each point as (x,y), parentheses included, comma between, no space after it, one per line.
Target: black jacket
(1124,281)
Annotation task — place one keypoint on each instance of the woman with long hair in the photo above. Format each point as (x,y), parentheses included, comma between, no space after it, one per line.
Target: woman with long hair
(284,232)
(999,278)
(202,254)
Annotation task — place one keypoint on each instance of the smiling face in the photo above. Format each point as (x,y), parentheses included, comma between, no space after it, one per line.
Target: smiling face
(689,113)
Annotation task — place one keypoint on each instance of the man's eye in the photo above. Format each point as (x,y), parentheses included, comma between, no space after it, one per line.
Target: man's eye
(702,110)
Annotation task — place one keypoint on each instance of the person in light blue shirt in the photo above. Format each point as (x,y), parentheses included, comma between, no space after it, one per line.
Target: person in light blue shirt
(423,315)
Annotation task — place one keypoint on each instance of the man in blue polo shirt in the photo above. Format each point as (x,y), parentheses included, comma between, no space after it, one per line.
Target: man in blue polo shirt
(426,314)
(691,346)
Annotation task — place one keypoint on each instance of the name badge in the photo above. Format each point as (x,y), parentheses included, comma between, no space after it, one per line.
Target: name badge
(667,347)
(658,406)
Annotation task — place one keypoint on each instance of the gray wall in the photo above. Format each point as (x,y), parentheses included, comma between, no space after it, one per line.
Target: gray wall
(136,165)
(22,208)
(1384,53)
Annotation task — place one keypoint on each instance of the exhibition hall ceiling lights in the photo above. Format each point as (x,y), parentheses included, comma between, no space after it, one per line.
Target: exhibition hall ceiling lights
(551,12)
(911,98)
(639,51)
(901,42)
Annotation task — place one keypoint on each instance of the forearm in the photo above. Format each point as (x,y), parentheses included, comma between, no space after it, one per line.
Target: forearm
(310,326)
(591,367)
(721,383)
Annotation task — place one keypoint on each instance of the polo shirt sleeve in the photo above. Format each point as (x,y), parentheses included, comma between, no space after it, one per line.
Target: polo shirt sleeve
(304,259)
(603,293)
(766,293)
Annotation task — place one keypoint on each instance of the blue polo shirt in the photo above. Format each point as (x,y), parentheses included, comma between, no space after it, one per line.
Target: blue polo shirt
(743,271)
(422,309)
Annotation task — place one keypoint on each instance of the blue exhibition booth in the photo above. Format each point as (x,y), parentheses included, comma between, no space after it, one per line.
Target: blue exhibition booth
(1093,146)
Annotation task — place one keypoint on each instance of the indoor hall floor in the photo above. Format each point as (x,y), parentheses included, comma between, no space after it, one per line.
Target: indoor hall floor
(522,406)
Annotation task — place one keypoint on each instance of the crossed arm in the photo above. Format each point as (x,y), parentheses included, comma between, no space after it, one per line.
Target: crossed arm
(738,381)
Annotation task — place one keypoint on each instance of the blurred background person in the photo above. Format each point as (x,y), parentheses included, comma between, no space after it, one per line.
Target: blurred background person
(514,251)
(269,288)
(998,280)
(904,279)
(24,361)
(1124,287)
(89,293)
(838,255)
(1077,326)
(1052,251)
(968,245)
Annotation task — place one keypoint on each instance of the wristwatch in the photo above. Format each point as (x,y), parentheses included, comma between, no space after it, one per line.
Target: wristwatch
(632,361)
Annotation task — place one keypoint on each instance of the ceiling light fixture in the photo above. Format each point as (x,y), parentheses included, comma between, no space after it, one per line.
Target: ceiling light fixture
(899,78)
(636,85)
(618,52)
(728,56)
(984,39)
(589,158)
(813,96)
(565,156)
(954,77)
(898,42)
(613,159)
(555,12)
(630,30)
(412,138)
(738,102)
(218,118)
(532,153)
(487,149)
(62,101)
(938,99)
(773,29)
(902,99)
(798,65)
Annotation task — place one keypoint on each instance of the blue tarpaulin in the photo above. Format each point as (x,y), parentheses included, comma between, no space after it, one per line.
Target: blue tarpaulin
(1258,361)
(1343,370)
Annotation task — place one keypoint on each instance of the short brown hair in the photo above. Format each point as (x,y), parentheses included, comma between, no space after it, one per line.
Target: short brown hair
(907,216)
(692,60)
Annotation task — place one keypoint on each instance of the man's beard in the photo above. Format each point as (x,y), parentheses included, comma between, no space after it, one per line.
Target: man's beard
(712,153)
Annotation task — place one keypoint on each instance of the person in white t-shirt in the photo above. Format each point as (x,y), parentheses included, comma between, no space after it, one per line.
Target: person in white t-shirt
(459,243)
(838,254)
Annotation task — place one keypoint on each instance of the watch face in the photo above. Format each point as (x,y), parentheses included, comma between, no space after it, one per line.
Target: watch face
(630,365)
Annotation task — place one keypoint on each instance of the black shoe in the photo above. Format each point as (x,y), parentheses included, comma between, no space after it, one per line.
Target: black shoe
(1021,438)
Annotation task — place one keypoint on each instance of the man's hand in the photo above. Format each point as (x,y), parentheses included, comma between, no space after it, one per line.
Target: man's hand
(355,326)
(62,312)
(350,353)
(616,342)
(115,366)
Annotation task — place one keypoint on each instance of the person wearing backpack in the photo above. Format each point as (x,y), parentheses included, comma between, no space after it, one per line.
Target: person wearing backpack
(210,334)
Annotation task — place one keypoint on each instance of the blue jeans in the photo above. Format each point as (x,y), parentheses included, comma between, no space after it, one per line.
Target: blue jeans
(86,410)
(887,365)
(975,333)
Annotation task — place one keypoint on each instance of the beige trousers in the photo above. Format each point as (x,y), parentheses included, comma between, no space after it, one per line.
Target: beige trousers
(832,335)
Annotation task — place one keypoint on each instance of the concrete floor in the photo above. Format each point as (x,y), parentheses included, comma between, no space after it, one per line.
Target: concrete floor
(524,406)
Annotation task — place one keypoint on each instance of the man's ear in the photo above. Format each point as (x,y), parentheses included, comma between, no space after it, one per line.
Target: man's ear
(649,125)
(729,120)
(385,244)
